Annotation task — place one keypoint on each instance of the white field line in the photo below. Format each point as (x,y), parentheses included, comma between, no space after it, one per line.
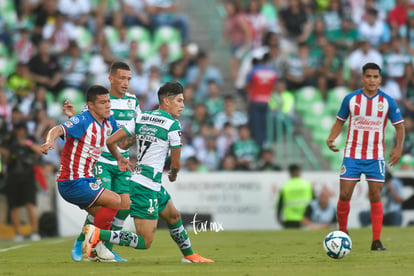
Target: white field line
(13,247)
(29,244)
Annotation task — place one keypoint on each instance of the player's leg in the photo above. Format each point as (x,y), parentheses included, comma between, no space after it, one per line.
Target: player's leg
(172,217)
(375,175)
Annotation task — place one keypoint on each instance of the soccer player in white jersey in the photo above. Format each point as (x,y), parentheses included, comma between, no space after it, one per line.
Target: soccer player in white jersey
(157,132)
(368,110)
(85,136)
(124,107)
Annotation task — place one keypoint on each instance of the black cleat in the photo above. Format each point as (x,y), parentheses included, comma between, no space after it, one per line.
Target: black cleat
(377,246)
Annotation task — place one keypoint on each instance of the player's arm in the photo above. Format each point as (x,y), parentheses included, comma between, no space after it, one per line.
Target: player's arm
(51,137)
(396,152)
(112,144)
(68,109)
(175,164)
(335,131)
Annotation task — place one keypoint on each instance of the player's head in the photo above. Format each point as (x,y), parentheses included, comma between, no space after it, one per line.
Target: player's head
(119,77)
(99,104)
(371,77)
(171,99)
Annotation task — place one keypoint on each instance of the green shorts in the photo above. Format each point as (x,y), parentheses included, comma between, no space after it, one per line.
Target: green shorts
(111,178)
(147,203)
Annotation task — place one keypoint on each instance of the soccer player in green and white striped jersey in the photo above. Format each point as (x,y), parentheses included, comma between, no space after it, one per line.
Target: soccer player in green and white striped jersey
(157,132)
(124,107)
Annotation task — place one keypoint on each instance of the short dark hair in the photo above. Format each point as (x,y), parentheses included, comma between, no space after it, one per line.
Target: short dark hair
(95,90)
(372,66)
(171,88)
(118,65)
(294,169)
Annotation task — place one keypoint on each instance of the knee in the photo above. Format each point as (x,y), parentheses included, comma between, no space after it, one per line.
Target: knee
(345,195)
(173,218)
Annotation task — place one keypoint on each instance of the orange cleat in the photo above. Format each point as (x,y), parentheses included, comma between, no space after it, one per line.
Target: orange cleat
(195,258)
(91,239)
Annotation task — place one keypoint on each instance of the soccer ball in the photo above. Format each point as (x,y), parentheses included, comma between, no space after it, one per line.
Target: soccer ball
(337,244)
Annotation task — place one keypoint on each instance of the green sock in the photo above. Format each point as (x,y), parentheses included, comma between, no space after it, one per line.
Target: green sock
(89,220)
(123,238)
(117,224)
(180,236)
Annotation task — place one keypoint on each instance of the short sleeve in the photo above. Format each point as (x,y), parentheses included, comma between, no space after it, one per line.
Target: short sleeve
(343,112)
(174,135)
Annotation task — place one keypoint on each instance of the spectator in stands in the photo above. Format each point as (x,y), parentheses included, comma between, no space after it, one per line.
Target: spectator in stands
(210,157)
(294,197)
(261,83)
(189,102)
(228,163)
(200,74)
(330,70)
(163,12)
(23,46)
(200,118)
(226,138)
(5,117)
(398,16)
(59,33)
(74,68)
(121,48)
(45,70)
(44,13)
(294,22)
(266,161)
(135,13)
(256,21)
(214,102)
(139,80)
(20,82)
(245,149)
(374,29)
(107,12)
(282,102)
(299,70)
(78,12)
(192,164)
(237,31)
(176,72)
(391,87)
(230,114)
(363,54)
(332,17)
(161,60)
(406,32)
(320,213)
(23,155)
(392,195)
(344,39)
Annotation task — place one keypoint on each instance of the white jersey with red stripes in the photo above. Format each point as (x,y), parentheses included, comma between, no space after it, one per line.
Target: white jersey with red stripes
(85,141)
(367,121)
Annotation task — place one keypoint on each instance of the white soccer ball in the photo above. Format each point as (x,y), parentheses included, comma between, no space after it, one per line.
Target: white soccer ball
(337,244)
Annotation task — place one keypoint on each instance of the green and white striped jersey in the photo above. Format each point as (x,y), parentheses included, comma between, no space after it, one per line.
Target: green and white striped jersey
(123,110)
(156,133)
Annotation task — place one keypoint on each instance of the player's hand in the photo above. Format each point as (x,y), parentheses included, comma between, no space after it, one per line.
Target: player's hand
(68,109)
(46,147)
(330,143)
(172,177)
(125,165)
(395,156)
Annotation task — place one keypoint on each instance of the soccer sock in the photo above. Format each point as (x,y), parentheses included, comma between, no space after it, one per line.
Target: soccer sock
(342,213)
(180,236)
(123,238)
(89,220)
(376,219)
(117,224)
(104,217)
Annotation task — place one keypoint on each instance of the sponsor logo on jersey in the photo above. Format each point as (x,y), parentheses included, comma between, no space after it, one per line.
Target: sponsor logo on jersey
(147,130)
(94,186)
(153,119)
(74,120)
(364,123)
(380,105)
(68,124)
(343,169)
(151,210)
(108,132)
(95,153)
(129,103)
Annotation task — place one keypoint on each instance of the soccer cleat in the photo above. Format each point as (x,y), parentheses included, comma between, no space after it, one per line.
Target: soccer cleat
(195,258)
(377,246)
(35,237)
(18,238)
(91,238)
(102,252)
(77,251)
(118,258)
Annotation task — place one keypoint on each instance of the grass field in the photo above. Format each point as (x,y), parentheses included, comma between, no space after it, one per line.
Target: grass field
(293,252)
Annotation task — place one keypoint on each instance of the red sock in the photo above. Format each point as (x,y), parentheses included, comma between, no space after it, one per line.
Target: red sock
(104,217)
(376,219)
(342,212)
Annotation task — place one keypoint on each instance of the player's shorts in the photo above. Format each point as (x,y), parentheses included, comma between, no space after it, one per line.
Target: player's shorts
(147,203)
(374,169)
(110,177)
(83,192)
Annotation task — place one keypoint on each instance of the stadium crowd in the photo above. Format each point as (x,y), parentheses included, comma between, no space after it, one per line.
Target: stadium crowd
(54,49)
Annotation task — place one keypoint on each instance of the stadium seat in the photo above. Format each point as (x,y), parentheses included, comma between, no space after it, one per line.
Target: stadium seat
(313,113)
(306,96)
(75,96)
(83,38)
(111,34)
(334,98)
(142,36)
(321,130)
(170,36)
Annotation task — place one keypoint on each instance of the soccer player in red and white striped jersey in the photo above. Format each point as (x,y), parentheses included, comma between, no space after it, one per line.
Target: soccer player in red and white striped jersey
(368,110)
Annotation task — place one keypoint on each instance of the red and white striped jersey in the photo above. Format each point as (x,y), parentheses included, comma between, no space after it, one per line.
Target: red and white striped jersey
(85,141)
(367,121)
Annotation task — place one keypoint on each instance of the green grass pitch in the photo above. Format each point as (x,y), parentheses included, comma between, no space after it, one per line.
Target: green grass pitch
(284,252)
